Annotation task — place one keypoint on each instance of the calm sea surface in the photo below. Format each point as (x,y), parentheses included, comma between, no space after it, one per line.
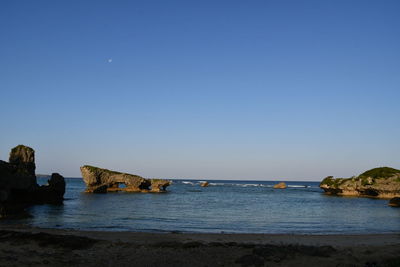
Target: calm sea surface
(224,206)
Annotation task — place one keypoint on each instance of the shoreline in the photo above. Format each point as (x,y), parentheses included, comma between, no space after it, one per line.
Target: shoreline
(31,246)
(340,240)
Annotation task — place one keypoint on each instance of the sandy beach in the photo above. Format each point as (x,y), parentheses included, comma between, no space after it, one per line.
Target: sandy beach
(26,246)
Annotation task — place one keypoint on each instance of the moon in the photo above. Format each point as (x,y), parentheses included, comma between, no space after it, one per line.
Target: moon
(109,60)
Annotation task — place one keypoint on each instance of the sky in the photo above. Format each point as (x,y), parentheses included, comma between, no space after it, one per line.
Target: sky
(251,90)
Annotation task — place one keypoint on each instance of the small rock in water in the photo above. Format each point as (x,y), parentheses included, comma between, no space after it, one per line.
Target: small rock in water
(281,185)
(204,184)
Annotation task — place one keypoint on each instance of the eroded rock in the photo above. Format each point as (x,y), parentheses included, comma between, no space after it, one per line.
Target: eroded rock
(100,180)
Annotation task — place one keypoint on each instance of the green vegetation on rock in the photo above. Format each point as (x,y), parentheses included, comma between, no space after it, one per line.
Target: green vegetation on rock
(21,147)
(334,182)
(99,180)
(383,182)
(95,169)
(98,170)
(382,172)
(366,178)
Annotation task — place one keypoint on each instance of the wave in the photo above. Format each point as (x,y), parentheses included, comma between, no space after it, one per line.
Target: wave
(186,182)
(246,185)
(242,185)
(254,185)
(219,184)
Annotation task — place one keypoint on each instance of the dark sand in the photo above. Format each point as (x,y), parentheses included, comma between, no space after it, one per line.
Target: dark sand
(25,246)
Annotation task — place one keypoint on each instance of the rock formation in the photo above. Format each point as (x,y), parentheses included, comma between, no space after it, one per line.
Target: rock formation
(204,184)
(18,186)
(381,182)
(100,180)
(53,192)
(280,185)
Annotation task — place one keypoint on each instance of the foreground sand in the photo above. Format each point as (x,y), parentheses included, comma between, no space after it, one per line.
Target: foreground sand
(25,246)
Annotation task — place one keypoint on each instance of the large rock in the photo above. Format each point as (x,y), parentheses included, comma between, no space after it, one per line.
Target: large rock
(381,182)
(18,186)
(53,192)
(19,172)
(23,157)
(100,180)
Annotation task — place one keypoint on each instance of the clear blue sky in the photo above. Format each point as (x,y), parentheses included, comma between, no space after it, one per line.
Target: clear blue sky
(291,90)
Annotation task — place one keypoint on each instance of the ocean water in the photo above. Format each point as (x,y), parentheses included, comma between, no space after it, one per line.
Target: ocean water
(224,206)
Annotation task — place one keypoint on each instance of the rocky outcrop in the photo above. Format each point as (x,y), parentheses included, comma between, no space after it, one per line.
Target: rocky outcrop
(53,192)
(159,185)
(100,180)
(18,186)
(381,182)
(280,185)
(19,172)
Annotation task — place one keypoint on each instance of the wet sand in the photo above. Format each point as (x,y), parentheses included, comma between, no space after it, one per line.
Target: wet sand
(26,246)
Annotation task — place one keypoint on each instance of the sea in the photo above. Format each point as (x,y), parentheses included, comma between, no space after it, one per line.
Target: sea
(222,207)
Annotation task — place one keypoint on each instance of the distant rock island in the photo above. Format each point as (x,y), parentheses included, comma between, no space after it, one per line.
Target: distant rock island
(18,185)
(383,182)
(100,180)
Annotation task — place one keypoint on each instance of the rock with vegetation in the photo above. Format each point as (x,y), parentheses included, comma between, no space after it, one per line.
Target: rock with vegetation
(18,185)
(383,182)
(100,180)
(280,185)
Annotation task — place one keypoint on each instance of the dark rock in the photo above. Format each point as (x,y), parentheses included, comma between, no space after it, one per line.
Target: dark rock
(57,183)
(53,192)
(18,186)
(100,180)
(394,202)
(19,172)
(24,158)
(98,189)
